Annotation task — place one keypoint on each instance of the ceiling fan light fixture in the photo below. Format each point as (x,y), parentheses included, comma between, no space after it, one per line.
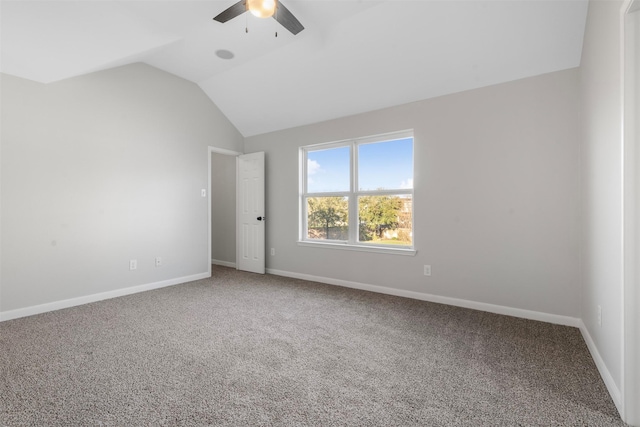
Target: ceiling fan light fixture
(262,8)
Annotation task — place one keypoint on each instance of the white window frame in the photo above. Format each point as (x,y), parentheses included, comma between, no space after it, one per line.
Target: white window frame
(353,242)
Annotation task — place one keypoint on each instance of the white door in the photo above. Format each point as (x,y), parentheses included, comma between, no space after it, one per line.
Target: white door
(251,212)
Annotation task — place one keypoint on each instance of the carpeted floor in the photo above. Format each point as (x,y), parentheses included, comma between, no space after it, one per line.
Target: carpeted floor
(241,349)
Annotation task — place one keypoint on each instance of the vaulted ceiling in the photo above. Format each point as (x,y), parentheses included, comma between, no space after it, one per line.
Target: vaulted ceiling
(353,55)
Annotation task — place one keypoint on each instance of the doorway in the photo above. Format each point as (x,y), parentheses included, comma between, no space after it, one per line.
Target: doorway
(236,210)
(222,207)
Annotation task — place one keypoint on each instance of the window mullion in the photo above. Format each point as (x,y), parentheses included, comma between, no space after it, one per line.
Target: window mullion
(303,229)
(386,192)
(353,198)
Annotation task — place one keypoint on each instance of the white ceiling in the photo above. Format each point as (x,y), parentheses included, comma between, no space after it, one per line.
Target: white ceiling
(353,56)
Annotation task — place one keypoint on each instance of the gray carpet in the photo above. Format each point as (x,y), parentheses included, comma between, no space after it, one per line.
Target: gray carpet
(247,350)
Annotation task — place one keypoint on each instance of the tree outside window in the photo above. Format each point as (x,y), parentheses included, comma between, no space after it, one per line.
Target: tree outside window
(359,192)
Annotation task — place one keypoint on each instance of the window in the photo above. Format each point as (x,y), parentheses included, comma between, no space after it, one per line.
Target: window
(359,193)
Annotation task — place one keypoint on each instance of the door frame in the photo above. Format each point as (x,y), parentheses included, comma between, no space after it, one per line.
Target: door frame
(215,150)
(630,26)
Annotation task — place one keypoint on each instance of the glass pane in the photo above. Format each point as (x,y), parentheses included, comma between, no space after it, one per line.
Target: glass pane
(328,218)
(385,220)
(385,165)
(328,170)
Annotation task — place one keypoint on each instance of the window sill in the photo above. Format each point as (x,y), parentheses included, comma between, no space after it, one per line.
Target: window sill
(359,248)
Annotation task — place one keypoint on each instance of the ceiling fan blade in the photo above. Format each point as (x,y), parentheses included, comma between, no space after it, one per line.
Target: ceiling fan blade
(235,10)
(286,19)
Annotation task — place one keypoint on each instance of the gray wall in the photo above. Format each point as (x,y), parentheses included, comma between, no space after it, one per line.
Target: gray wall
(101,169)
(497,196)
(602,183)
(223,208)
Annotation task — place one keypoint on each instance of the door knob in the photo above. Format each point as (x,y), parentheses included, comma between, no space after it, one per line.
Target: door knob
(262,218)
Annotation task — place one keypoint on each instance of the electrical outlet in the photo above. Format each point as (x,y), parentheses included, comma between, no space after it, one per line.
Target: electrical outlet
(133,264)
(599,316)
(158,261)
(273,251)
(427,270)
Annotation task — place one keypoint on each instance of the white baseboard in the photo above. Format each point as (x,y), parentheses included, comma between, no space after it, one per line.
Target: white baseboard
(612,388)
(491,308)
(72,302)
(223,263)
(614,391)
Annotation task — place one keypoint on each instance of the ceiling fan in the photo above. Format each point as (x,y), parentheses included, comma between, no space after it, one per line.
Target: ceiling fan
(263,9)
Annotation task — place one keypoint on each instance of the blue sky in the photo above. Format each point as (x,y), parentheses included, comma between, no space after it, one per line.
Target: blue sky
(386,164)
